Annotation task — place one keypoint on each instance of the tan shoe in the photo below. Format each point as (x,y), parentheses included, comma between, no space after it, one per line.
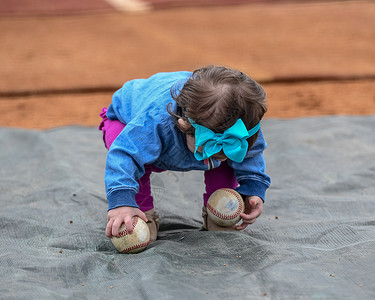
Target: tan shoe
(153,224)
(209,225)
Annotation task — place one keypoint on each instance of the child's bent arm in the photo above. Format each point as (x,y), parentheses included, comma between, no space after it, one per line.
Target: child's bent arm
(136,146)
(120,215)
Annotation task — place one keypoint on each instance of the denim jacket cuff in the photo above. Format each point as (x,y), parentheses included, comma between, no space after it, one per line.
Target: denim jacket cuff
(121,197)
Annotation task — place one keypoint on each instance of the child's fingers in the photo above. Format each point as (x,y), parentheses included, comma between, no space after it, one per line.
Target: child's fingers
(142,215)
(242,226)
(108,229)
(253,202)
(252,212)
(116,227)
(245,223)
(251,216)
(129,224)
(248,219)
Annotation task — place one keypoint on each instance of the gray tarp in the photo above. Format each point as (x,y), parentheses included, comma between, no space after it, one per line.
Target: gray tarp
(321,246)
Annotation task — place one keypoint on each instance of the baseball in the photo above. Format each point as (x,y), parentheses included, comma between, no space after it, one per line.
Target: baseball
(135,242)
(225,206)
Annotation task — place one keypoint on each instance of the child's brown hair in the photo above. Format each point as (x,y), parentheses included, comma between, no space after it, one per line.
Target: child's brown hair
(216,97)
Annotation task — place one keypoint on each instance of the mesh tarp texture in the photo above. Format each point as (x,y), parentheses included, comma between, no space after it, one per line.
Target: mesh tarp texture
(314,240)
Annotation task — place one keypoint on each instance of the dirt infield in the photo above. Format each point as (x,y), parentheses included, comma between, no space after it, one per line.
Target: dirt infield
(313,59)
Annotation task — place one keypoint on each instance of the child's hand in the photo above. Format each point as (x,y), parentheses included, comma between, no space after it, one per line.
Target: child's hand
(119,215)
(253,209)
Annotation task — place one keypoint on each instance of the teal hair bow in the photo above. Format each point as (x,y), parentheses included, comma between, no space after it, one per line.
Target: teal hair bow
(232,141)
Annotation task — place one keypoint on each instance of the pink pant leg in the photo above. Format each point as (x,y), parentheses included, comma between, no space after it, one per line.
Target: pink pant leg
(111,129)
(220,177)
(143,198)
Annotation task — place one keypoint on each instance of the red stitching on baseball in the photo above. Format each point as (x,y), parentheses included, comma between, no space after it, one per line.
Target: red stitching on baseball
(125,231)
(135,221)
(227,217)
(135,247)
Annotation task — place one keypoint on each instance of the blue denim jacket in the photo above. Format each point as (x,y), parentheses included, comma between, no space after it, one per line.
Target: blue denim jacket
(151,137)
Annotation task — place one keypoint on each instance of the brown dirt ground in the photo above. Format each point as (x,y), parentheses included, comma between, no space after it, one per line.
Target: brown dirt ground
(313,59)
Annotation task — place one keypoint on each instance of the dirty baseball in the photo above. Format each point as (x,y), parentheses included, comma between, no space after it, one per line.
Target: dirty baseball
(225,206)
(135,242)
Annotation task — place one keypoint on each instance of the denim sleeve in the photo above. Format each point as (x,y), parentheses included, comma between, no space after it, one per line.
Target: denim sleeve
(140,143)
(250,173)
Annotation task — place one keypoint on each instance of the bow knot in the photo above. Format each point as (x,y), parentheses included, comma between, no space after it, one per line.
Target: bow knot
(232,141)
(219,138)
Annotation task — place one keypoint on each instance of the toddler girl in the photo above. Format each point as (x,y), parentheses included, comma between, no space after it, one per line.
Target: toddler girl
(207,120)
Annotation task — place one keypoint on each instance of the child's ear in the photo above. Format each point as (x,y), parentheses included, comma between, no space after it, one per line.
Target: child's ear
(184,124)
